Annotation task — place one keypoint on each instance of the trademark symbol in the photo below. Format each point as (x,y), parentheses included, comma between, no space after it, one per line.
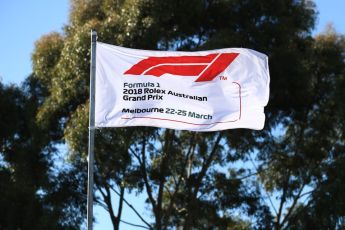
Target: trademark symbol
(223,78)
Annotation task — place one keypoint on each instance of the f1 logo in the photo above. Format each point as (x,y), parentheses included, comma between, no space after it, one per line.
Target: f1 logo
(206,67)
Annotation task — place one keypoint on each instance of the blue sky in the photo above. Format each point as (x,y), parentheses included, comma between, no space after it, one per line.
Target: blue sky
(22,22)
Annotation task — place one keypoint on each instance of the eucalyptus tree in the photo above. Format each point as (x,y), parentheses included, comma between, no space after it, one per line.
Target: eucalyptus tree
(202,180)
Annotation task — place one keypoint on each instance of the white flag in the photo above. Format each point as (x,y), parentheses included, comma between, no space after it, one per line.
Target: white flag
(197,91)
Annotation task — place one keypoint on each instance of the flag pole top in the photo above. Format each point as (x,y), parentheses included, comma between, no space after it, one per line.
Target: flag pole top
(94,35)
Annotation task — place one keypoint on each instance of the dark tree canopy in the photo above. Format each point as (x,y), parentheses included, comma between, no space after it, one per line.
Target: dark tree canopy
(33,194)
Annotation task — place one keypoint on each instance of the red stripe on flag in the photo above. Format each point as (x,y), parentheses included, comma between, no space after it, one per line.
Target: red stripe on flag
(183,70)
(150,62)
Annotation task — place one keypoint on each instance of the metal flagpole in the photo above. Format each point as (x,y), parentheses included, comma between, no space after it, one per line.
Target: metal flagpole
(91,131)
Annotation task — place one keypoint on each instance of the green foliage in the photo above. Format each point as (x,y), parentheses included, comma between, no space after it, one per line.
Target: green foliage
(33,195)
(304,161)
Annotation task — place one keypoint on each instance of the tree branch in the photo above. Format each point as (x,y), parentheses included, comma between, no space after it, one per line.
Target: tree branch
(268,196)
(136,155)
(145,176)
(296,198)
(111,210)
(188,163)
(103,205)
(122,194)
(169,137)
(282,201)
(304,207)
(207,164)
(135,225)
(107,200)
(189,156)
(132,207)
(192,195)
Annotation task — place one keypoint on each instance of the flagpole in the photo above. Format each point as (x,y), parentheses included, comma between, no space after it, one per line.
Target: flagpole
(91,131)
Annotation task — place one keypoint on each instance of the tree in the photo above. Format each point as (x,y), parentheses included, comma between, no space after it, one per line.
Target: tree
(33,195)
(193,180)
(311,151)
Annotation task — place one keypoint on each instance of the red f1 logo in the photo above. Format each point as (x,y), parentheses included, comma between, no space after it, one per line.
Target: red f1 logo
(206,68)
